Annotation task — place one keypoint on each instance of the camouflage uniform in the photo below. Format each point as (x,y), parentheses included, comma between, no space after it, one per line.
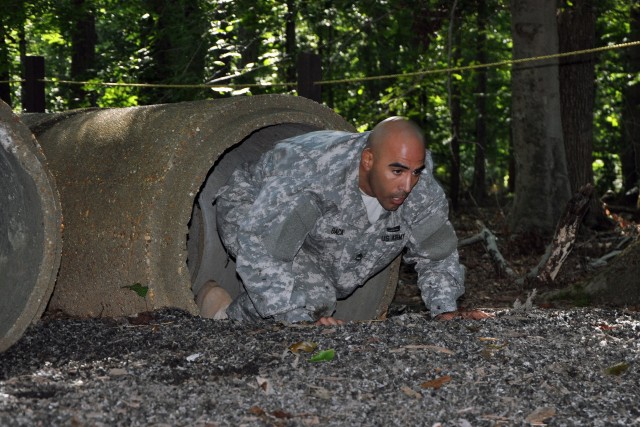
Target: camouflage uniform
(297,225)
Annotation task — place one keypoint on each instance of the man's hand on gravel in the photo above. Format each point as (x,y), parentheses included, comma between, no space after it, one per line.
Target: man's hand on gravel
(467,314)
(329,321)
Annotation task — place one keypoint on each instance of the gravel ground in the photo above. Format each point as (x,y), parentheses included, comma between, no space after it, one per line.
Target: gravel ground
(523,367)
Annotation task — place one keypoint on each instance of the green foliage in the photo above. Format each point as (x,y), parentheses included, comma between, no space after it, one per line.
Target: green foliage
(233,43)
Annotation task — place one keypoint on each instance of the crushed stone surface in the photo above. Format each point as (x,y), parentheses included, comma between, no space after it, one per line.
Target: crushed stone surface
(168,368)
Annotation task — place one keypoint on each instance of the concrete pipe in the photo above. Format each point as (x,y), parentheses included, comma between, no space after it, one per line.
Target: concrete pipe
(30,229)
(137,185)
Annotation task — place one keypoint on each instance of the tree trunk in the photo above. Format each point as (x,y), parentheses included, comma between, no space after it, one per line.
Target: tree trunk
(478,186)
(577,31)
(630,153)
(290,41)
(542,184)
(5,67)
(178,50)
(455,111)
(83,55)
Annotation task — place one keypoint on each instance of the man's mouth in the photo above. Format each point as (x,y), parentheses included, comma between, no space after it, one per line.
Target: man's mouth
(397,200)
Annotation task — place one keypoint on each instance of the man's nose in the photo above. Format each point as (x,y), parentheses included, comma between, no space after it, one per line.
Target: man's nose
(407,183)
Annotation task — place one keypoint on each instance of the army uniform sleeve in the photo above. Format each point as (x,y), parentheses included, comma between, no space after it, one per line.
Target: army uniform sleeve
(268,240)
(433,248)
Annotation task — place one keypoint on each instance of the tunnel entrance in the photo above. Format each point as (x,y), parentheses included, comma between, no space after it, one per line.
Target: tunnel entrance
(207,258)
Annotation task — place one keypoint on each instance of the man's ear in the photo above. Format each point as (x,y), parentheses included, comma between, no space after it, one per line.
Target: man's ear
(367,159)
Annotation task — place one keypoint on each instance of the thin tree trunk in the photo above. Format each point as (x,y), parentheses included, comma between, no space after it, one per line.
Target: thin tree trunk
(478,186)
(290,41)
(630,153)
(455,111)
(5,68)
(83,55)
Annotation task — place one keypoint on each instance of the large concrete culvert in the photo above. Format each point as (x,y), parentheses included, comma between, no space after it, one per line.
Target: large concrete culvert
(30,229)
(136,186)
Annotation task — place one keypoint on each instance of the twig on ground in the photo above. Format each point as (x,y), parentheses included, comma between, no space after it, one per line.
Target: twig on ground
(491,245)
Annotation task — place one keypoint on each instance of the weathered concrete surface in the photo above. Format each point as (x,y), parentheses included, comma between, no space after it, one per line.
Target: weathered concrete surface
(30,229)
(129,180)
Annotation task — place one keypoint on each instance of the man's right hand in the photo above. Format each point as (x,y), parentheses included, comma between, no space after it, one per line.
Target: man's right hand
(329,321)
(467,314)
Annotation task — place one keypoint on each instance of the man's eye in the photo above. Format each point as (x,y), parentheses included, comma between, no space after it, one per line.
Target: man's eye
(397,171)
(417,173)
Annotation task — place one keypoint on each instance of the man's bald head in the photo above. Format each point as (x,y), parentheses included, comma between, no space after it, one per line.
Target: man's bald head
(392,128)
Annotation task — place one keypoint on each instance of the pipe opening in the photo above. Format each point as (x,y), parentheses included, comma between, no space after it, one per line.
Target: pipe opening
(21,244)
(206,256)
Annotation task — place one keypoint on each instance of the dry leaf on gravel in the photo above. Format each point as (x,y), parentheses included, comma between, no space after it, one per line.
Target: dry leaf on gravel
(410,392)
(435,348)
(265,385)
(306,346)
(540,415)
(437,382)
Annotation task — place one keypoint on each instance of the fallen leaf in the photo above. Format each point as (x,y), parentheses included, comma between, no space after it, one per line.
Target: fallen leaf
(306,346)
(138,289)
(410,392)
(279,413)
(256,410)
(540,415)
(436,383)
(264,384)
(193,357)
(617,369)
(323,356)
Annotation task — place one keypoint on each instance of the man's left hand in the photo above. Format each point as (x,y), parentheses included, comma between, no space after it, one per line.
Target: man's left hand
(467,314)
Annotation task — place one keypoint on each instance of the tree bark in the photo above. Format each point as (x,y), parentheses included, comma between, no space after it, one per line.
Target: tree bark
(542,184)
(456,114)
(630,153)
(478,186)
(577,31)
(178,50)
(83,51)
(5,88)
(290,41)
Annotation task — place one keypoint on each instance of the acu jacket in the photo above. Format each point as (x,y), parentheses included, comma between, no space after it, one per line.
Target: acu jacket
(297,225)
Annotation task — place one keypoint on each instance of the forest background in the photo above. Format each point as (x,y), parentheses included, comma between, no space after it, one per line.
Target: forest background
(509,117)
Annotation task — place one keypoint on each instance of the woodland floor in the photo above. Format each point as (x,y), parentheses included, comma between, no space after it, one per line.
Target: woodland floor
(486,288)
(531,365)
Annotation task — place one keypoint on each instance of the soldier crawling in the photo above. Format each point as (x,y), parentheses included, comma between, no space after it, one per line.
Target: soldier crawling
(322,212)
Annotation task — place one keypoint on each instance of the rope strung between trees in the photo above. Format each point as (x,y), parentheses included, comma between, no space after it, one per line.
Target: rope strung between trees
(352,80)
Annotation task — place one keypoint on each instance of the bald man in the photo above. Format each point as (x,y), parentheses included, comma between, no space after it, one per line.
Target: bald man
(321,213)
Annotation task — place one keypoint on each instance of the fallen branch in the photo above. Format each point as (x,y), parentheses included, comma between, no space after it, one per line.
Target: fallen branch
(564,237)
(491,245)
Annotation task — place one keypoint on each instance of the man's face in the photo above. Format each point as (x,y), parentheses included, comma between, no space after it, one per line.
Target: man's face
(390,170)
